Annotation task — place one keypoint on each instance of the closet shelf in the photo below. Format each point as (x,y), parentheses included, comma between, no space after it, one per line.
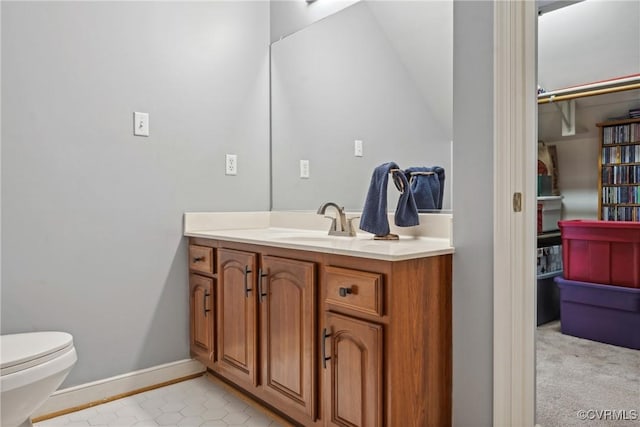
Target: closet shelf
(548,275)
(565,100)
(549,235)
(621,164)
(619,84)
(619,144)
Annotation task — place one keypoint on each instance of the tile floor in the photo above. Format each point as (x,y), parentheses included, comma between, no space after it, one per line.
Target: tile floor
(196,402)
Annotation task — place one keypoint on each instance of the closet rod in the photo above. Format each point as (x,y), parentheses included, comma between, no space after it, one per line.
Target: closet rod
(555,98)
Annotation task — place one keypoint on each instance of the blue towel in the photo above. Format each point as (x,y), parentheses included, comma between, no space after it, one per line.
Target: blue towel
(428,190)
(374,214)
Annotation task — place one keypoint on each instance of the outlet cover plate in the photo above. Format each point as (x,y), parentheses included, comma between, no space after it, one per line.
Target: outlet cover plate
(231,164)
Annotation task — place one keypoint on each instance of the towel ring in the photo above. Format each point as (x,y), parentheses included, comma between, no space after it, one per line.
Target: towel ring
(414,174)
(398,183)
(421,173)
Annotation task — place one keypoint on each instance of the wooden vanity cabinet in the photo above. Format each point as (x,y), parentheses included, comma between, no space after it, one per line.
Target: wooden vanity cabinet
(389,340)
(266,322)
(333,340)
(353,378)
(237,317)
(287,332)
(201,303)
(201,321)
(352,347)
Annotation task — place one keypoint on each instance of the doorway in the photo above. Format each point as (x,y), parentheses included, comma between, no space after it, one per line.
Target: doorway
(575,372)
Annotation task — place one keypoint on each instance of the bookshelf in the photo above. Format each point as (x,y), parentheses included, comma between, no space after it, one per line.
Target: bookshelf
(619,170)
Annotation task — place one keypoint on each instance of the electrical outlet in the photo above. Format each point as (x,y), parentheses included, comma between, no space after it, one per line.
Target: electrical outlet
(304,168)
(141,124)
(231,164)
(358,149)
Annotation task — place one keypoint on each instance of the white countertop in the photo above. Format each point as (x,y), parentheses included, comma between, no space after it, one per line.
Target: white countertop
(255,228)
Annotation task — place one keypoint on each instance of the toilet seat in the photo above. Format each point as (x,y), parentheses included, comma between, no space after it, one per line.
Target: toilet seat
(22,351)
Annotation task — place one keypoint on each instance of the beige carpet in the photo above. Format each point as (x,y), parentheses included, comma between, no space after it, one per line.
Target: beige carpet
(575,374)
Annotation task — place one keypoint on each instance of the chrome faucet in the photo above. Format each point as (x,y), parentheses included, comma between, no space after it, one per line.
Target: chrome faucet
(340,225)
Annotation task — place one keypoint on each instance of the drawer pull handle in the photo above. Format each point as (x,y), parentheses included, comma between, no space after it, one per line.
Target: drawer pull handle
(204,304)
(198,259)
(325,335)
(261,276)
(345,291)
(247,289)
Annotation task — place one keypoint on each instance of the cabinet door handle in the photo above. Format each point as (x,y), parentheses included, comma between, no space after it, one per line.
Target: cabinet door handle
(261,276)
(247,289)
(325,335)
(345,291)
(205,310)
(198,259)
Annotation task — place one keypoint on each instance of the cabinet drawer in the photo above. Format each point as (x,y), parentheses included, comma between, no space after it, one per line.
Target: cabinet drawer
(354,290)
(201,259)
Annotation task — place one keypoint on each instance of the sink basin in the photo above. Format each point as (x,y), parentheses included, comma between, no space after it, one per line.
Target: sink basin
(313,237)
(305,238)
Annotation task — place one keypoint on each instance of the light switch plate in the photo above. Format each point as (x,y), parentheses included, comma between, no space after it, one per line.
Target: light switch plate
(358,149)
(140,124)
(304,168)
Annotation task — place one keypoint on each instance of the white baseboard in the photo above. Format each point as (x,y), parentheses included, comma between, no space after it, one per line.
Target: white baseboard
(100,390)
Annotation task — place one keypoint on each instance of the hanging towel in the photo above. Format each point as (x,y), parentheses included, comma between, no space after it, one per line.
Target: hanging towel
(374,214)
(427,186)
(406,212)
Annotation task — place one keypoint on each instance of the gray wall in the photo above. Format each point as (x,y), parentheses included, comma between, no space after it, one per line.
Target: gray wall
(473,213)
(91,215)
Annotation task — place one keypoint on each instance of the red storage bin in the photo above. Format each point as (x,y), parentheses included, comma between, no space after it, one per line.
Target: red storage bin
(601,252)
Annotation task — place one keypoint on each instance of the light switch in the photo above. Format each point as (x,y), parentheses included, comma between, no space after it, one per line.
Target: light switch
(358,150)
(141,124)
(304,168)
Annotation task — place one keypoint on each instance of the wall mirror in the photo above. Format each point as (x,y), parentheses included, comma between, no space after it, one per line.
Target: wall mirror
(380,72)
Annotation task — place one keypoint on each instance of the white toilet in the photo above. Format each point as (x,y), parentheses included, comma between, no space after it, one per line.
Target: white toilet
(33,366)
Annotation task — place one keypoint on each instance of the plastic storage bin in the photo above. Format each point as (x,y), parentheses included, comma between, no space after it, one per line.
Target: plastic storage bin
(609,314)
(545,185)
(605,252)
(549,210)
(548,297)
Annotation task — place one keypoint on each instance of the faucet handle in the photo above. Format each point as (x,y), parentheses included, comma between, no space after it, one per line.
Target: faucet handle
(340,226)
(351,227)
(334,223)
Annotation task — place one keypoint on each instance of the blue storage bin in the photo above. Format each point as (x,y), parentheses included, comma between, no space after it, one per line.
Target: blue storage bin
(599,312)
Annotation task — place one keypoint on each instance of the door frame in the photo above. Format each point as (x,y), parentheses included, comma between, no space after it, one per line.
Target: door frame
(515,153)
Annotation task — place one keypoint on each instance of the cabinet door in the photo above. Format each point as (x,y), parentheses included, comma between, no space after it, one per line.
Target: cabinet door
(287,290)
(237,315)
(201,318)
(352,361)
